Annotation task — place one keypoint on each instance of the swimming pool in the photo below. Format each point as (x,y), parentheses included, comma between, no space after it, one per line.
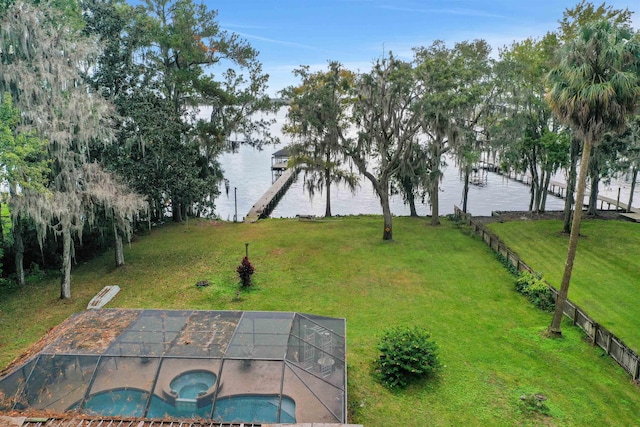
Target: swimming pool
(255,408)
(122,401)
(131,402)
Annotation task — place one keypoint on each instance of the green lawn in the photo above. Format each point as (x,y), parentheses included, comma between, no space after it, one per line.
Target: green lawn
(491,343)
(606,275)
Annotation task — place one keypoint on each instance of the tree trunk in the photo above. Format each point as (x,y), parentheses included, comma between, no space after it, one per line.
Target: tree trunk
(18,249)
(327,179)
(382,190)
(412,205)
(532,196)
(386,215)
(539,192)
(407,190)
(65,280)
(177,211)
(534,205)
(465,189)
(545,191)
(555,327)
(571,185)
(119,252)
(436,161)
(634,177)
(593,197)
(435,208)
(532,193)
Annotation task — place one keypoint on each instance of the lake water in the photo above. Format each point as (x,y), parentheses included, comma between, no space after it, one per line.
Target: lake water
(250,176)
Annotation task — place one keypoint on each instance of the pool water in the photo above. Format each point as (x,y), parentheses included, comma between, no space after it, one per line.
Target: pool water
(159,408)
(128,402)
(191,391)
(190,384)
(132,403)
(254,408)
(239,408)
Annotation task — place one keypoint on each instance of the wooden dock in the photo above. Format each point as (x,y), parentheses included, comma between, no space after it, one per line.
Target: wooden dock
(631,216)
(279,159)
(279,166)
(265,205)
(559,189)
(617,204)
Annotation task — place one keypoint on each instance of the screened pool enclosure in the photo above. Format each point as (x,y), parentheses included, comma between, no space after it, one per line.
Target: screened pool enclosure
(228,366)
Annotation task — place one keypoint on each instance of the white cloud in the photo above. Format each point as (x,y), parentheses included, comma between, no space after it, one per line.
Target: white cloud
(244,26)
(275,41)
(459,12)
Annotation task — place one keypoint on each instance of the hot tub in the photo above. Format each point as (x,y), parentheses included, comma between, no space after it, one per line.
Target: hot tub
(191,389)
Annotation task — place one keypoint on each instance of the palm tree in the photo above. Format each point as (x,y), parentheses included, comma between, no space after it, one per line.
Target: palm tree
(632,153)
(592,91)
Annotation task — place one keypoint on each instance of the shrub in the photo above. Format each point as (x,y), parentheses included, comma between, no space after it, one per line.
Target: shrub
(406,354)
(507,264)
(524,280)
(245,271)
(534,403)
(35,274)
(535,290)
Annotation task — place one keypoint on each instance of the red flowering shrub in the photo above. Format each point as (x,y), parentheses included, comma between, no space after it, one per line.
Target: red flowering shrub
(245,271)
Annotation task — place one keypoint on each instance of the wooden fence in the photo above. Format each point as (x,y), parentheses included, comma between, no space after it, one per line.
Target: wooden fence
(600,336)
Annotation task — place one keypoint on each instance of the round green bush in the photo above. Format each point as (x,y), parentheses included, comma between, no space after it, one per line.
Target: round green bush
(406,354)
(536,290)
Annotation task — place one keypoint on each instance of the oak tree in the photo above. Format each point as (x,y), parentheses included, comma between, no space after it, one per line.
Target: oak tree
(318,119)
(388,126)
(44,64)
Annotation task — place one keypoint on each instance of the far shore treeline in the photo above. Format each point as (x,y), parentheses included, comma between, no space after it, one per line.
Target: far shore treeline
(100,133)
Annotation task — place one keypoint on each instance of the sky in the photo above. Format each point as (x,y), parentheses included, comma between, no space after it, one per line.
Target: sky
(290,33)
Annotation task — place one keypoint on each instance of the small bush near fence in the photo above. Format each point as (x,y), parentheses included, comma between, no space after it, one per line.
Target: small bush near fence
(535,290)
(507,264)
(406,354)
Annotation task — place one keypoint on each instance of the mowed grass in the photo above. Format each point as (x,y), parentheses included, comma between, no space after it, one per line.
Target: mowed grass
(491,340)
(606,275)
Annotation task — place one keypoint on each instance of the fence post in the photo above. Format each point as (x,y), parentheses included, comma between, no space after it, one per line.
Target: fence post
(608,349)
(515,259)
(595,333)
